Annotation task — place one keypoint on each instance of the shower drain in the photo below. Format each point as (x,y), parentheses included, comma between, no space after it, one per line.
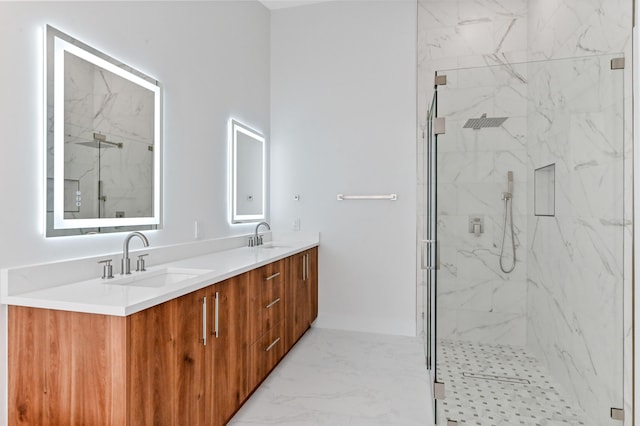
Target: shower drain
(493,377)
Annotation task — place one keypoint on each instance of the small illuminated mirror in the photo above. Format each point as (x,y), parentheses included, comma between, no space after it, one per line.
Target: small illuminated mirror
(247,174)
(102,141)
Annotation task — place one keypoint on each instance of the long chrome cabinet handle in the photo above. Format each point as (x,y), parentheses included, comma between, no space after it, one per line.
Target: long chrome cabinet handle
(268,348)
(217,303)
(272,303)
(270,277)
(304,267)
(204,321)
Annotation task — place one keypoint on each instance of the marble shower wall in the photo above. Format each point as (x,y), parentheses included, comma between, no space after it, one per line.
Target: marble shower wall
(579,317)
(476,300)
(461,34)
(576,258)
(456,34)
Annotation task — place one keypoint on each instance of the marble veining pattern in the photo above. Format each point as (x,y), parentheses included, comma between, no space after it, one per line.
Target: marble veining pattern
(575,314)
(476,300)
(341,378)
(453,35)
(514,388)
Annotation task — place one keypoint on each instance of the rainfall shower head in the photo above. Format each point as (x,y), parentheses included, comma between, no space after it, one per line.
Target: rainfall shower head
(95,144)
(483,122)
(100,141)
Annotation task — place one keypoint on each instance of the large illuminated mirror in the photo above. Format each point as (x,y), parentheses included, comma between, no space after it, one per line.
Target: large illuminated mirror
(248,174)
(103,142)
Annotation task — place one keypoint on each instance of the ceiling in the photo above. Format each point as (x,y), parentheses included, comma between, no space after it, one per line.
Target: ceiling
(281,4)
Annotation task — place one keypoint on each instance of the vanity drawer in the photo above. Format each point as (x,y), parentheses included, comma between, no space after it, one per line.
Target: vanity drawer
(273,296)
(265,354)
(268,299)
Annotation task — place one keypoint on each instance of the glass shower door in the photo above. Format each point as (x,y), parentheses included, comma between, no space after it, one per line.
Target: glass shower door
(547,140)
(429,247)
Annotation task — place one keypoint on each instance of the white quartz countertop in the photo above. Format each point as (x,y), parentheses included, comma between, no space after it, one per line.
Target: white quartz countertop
(107,296)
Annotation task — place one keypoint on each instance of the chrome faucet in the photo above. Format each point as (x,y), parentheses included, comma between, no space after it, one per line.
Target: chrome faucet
(125,263)
(258,238)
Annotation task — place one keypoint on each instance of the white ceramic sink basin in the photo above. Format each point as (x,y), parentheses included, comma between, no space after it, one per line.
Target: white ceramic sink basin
(273,246)
(158,278)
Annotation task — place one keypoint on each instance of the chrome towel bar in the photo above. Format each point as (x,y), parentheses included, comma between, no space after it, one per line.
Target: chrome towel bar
(390,197)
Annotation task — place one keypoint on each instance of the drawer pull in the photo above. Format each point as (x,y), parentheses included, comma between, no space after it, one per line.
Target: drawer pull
(268,348)
(270,277)
(272,303)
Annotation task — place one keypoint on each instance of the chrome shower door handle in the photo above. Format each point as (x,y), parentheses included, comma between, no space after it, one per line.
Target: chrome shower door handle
(429,245)
(422,250)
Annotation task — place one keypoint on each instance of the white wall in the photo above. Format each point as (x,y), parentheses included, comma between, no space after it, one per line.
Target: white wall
(343,121)
(212,59)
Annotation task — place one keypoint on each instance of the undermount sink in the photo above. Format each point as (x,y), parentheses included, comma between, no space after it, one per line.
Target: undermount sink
(272,246)
(158,278)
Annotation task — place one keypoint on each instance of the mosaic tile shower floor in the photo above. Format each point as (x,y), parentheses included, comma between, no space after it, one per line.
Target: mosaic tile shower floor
(499,385)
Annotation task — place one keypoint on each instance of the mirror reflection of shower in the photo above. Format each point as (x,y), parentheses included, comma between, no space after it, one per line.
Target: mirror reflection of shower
(508,213)
(100,142)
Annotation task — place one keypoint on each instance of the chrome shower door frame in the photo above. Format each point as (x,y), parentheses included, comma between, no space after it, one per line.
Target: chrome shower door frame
(428,247)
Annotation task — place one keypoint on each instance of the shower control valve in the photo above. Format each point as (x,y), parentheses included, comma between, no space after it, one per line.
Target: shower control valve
(476,225)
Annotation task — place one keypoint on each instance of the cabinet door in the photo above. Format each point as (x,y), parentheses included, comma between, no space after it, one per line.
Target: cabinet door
(312,278)
(228,385)
(192,338)
(290,305)
(66,368)
(298,315)
(27,366)
(153,365)
(265,354)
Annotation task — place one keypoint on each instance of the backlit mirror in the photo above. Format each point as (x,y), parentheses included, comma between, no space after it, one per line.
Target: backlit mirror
(247,174)
(103,141)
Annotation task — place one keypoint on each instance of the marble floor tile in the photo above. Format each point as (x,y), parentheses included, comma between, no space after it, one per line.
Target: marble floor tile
(341,378)
(491,385)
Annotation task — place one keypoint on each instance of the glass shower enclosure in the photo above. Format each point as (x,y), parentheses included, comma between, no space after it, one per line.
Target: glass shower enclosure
(522,248)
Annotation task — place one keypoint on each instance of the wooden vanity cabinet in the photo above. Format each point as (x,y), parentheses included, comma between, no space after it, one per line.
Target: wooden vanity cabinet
(66,368)
(154,367)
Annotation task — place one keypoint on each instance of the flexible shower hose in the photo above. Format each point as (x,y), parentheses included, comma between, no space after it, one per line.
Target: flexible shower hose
(509,202)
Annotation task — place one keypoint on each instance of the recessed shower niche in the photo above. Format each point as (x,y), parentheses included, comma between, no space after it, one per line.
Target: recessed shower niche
(544,197)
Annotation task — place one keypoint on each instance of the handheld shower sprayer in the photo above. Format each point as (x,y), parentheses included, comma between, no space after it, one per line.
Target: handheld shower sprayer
(507,195)
(508,203)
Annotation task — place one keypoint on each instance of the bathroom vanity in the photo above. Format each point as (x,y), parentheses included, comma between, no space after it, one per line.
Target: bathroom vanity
(185,354)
